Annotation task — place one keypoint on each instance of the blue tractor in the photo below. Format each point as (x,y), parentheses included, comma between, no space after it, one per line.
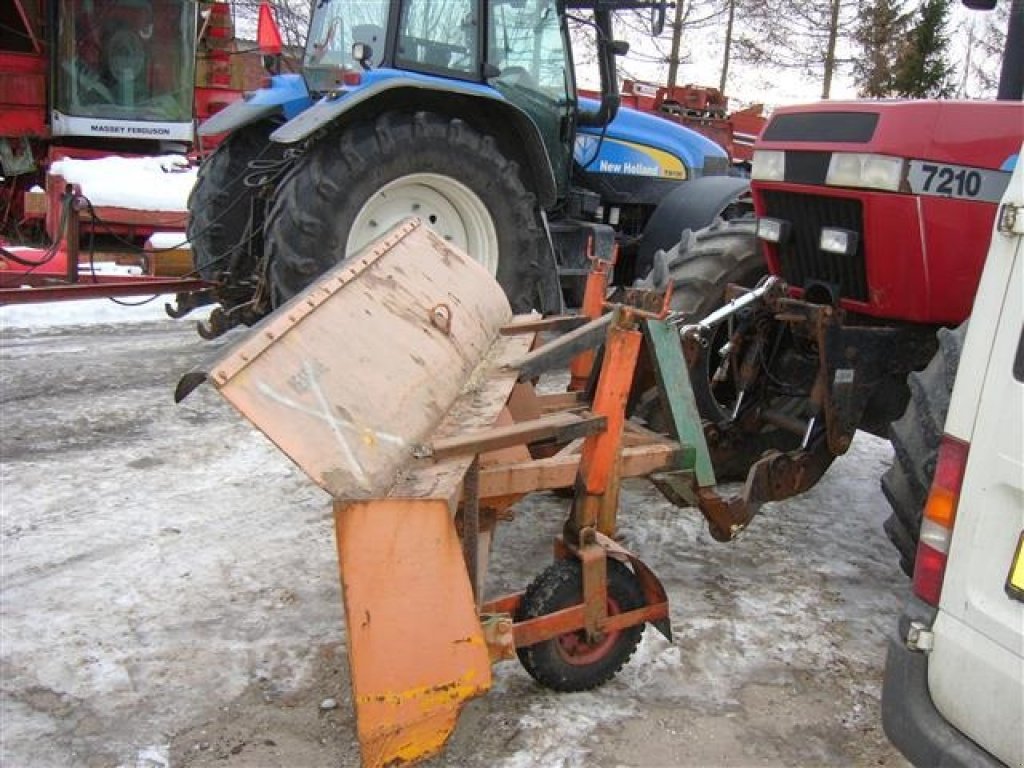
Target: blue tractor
(461,112)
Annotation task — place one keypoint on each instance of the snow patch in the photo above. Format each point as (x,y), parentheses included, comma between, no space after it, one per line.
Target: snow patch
(160,183)
(554,729)
(87,312)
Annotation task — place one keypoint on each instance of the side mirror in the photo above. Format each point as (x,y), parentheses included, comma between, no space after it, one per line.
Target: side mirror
(980,5)
(362,53)
(658,17)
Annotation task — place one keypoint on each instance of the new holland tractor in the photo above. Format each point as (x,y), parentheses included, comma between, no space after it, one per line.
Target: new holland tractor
(464,113)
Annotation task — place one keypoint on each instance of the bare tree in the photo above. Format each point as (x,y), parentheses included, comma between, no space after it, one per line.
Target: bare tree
(803,35)
(986,39)
(667,52)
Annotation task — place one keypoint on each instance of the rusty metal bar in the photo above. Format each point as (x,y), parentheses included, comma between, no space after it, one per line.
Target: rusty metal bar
(597,481)
(105,286)
(557,324)
(593,306)
(558,353)
(471,526)
(559,427)
(559,471)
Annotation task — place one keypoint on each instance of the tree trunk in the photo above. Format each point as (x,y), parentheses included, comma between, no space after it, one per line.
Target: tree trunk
(728,46)
(830,51)
(677,33)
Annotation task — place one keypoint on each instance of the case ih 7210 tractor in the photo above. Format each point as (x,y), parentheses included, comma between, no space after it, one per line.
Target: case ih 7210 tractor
(875,218)
(465,113)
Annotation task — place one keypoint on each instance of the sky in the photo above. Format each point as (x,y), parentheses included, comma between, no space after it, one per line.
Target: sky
(772,87)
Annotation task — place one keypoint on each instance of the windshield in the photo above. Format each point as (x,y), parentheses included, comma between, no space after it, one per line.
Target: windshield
(525,44)
(334,27)
(526,48)
(126,59)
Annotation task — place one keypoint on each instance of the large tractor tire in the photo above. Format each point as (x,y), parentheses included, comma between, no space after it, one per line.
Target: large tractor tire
(701,266)
(705,262)
(220,203)
(355,185)
(915,441)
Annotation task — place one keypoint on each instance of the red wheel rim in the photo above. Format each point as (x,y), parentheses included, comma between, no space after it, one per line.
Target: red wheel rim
(575,649)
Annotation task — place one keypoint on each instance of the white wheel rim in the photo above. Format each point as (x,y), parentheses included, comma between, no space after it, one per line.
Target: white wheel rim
(449,207)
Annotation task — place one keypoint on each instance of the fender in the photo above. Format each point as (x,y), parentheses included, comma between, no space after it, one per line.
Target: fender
(287,95)
(408,88)
(692,205)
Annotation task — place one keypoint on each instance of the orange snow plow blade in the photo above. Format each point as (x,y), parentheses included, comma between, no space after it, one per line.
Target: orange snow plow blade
(349,380)
(416,649)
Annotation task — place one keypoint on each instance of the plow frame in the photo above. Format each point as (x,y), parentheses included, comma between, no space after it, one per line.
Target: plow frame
(414,530)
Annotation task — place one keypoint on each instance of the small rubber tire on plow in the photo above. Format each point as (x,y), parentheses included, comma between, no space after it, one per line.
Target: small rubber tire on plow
(352,186)
(220,202)
(570,662)
(915,440)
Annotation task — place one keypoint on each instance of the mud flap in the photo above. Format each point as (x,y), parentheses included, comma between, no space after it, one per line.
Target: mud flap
(415,645)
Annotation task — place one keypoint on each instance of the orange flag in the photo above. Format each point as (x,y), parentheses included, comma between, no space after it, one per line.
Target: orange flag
(268,36)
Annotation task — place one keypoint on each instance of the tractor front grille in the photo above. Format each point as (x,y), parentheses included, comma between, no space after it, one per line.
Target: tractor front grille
(802,261)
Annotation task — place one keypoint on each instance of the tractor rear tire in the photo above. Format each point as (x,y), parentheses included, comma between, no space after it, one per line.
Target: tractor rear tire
(220,202)
(570,662)
(915,440)
(356,184)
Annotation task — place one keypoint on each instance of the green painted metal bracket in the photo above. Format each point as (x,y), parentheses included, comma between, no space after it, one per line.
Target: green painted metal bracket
(674,383)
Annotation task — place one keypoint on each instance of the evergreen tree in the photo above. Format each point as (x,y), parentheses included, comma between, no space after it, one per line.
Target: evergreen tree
(923,69)
(879,34)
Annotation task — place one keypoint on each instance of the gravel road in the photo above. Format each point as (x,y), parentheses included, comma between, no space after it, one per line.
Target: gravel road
(170,596)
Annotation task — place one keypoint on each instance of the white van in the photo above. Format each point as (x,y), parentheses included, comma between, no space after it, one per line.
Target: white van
(954,677)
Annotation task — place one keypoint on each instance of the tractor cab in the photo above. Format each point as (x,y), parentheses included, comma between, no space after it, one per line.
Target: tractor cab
(123,69)
(519,48)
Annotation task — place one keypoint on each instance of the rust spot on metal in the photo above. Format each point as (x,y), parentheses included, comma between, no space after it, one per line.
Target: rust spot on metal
(441,318)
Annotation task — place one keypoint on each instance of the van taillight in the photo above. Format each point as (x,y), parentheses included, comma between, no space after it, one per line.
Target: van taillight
(937,521)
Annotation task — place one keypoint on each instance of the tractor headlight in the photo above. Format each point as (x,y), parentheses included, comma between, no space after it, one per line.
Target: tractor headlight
(855,169)
(772,230)
(768,165)
(841,241)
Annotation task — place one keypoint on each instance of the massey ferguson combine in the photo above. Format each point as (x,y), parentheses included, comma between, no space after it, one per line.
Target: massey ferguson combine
(88,79)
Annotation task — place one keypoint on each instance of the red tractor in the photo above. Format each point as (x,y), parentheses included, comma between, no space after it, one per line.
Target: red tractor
(875,218)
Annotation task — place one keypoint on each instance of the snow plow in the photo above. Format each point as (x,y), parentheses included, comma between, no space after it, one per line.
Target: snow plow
(427,441)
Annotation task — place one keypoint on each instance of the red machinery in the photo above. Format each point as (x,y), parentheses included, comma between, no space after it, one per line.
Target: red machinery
(702,109)
(87,79)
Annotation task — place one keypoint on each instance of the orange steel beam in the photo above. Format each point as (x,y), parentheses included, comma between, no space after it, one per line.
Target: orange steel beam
(560,470)
(597,482)
(593,306)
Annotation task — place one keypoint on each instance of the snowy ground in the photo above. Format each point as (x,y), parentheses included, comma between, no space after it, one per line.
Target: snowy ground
(169,592)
